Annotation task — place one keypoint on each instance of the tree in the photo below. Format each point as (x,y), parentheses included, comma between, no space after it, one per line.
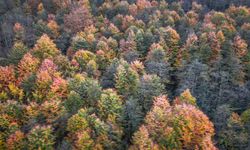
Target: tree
(127,79)
(190,47)
(41,28)
(59,88)
(83,41)
(234,135)
(88,89)
(53,26)
(132,117)
(221,116)
(138,67)
(89,132)
(48,65)
(185,98)
(19,32)
(16,141)
(144,40)
(245,32)
(62,3)
(239,14)
(108,77)
(78,121)
(142,141)
(82,58)
(129,44)
(150,86)
(246,121)
(49,84)
(27,66)
(42,87)
(41,137)
(110,105)
(17,52)
(92,69)
(210,48)
(240,46)
(156,63)
(45,48)
(77,19)
(172,39)
(8,86)
(143,4)
(7,77)
(52,110)
(74,102)
(179,126)
(64,66)
(245,116)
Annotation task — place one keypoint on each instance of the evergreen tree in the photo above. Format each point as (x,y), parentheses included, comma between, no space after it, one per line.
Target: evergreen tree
(127,80)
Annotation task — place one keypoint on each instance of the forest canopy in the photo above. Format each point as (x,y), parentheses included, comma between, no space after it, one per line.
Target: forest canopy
(118,75)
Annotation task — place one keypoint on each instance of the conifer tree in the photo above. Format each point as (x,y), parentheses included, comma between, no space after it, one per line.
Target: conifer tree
(127,79)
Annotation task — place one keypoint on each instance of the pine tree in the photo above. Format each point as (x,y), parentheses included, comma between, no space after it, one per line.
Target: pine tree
(156,63)
(150,86)
(88,89)
(17,52)
(127,79)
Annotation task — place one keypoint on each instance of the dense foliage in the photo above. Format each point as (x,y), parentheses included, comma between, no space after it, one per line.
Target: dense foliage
(116,74)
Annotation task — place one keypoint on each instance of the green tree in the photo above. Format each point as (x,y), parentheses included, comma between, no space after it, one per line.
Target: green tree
(45,48)
(17,52)
(110,104)
(41,137)
(127,79)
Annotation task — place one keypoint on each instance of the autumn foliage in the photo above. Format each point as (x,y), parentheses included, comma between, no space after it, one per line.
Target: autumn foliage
(181,126)
(118,75)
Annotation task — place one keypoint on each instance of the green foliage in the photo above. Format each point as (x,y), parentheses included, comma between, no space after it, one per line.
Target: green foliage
(108,78)
(132,117)
(41,138)
(78,122)
(88,89)
(89,132)
(245,116)
(80,42)
(82,59)
(45,48)
(73,102)
(17,52)
(127,80)
(41,28)
(92,69)
(150,87)
(100,83)
(234,135)
(110,104)
(64,66)
(156,63)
